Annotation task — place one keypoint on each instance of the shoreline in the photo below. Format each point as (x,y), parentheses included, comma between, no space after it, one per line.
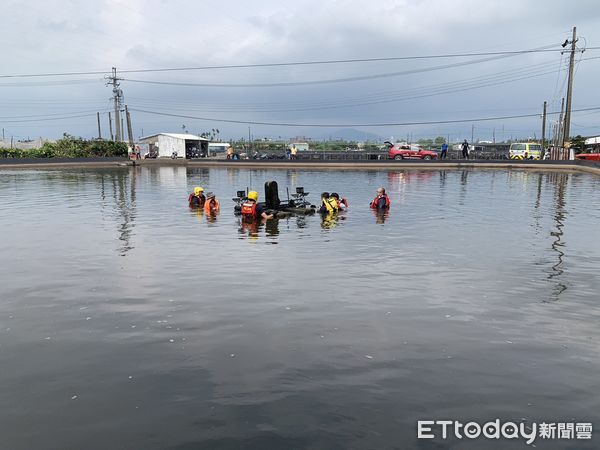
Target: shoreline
(574,166)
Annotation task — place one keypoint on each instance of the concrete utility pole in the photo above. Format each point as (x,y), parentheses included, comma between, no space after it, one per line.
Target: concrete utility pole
(472,132)
(118,100)
(560,139)
(99,130)
(567,127)
(112,136)
(129,131)
(544,128)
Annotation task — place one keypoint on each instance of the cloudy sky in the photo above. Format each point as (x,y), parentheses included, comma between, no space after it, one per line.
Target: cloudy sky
(74,36)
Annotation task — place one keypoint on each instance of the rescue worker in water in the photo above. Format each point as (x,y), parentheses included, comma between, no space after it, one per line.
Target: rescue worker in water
(381,201)
(341,203)
(251,210)
(328,204)
(211,205)
(197,198)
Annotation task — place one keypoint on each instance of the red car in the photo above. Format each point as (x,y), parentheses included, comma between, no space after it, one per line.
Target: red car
(409,151)
(589,156)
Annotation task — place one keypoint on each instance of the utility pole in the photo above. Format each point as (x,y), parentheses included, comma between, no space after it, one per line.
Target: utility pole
(129,132)
(561,131)
(472,132)
(249,142)
(118,99)
(567,126)
(99,130)
(494,136)
(544,128)
(112,136)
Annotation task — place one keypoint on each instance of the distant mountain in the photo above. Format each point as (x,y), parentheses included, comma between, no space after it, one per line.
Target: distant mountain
(351,134)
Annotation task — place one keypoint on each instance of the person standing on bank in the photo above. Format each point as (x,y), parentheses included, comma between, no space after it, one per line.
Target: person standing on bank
(465,149)
(444,154)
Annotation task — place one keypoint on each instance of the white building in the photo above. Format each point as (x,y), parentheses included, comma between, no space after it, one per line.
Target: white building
(184,145)
(593,142)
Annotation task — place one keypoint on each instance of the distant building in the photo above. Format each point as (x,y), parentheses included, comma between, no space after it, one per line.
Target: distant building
(217,147)
(593,142)
(300,146)
(184,145)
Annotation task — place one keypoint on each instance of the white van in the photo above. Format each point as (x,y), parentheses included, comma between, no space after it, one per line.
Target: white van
(525,150)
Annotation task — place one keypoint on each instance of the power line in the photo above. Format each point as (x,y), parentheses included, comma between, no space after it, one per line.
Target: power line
(49,118)
(420,92)
(296,63)
(283,124)
(46,115)
(317,82)
(328,81)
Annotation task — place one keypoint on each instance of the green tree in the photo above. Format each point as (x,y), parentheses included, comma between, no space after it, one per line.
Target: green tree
(427,143)
(578,143)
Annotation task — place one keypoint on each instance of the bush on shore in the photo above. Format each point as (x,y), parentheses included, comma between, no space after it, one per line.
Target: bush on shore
(69,147)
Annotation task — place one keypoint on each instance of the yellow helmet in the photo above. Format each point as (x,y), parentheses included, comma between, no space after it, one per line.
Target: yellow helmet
(253,195)
(197,190)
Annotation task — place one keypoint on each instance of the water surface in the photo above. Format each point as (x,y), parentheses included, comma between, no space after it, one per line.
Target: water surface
(128,321)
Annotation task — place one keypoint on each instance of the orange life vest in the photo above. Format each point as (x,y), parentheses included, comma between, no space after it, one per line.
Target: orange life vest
(211,205)
(249,210)
(375,201)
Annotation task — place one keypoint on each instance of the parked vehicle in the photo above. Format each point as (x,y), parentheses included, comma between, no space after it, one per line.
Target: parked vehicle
(525,150)
(409,151)
(588,156)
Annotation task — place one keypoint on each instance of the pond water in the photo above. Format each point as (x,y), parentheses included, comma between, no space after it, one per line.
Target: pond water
(128,321)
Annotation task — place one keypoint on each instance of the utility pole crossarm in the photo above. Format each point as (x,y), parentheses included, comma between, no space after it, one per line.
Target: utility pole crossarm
(118,100)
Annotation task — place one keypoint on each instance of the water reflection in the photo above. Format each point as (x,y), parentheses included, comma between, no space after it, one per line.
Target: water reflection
(121,187)
(560,182)
(272,229)
(249,229)
(464,178)
(338,331)
(329,220)
(380,215)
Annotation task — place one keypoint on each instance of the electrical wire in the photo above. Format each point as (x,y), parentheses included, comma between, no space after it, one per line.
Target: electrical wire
(297,63)
(319,82)
(323,125)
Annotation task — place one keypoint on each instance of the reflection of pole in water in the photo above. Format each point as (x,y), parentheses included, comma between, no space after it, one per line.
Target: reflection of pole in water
(464,175)
(557,245)
(125,206)
(538,201)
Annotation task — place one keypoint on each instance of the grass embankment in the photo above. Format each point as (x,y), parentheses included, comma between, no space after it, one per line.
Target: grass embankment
(69,147)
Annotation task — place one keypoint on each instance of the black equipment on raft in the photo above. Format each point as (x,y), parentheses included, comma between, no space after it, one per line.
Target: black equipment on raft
(272,195)
(300,198)
(273,205)
(241,198)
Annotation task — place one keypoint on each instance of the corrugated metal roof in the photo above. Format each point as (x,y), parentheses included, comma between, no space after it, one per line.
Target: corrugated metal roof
(177,136)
